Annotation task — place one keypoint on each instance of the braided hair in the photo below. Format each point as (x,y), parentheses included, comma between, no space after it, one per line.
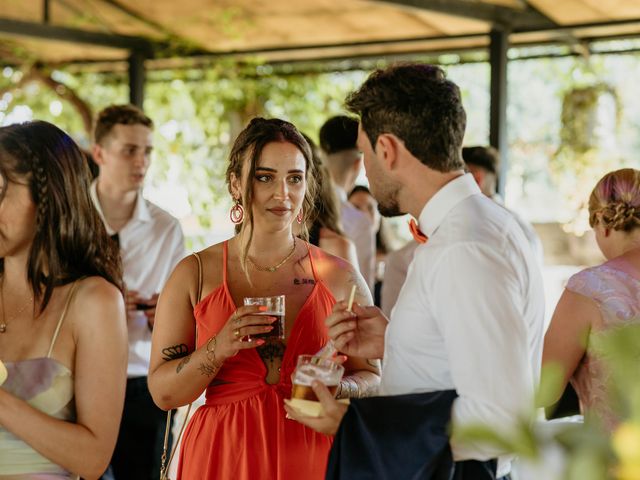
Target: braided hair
(70,241)
(615,200)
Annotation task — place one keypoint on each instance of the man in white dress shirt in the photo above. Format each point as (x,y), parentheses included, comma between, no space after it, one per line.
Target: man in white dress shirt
(338,137)
(484,163)
(469,317)
(151,244)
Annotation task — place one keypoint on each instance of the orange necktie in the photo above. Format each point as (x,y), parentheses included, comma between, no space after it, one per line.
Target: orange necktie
(416,232)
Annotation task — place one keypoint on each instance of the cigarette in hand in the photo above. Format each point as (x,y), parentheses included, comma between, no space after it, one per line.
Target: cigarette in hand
(352,296)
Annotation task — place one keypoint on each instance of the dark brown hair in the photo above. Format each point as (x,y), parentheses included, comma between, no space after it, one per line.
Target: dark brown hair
(339,133)
(420,106)
(485,157)
(70,240)
(248,147)
(326,202)
(118,114)
(615,200)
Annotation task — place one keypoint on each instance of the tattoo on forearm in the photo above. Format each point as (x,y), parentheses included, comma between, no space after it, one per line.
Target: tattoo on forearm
(304,281)
(208,369)
(182,363)
(175,351)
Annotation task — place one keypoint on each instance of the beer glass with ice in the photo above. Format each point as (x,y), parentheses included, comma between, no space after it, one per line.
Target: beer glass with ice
(310,368)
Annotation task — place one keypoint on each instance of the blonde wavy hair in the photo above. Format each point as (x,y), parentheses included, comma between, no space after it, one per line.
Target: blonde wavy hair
(615,201)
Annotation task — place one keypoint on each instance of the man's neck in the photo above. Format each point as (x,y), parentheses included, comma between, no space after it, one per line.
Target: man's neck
(345,181)
(117,205)
(424,186)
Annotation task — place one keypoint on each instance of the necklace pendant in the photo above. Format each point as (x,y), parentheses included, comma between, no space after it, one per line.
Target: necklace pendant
(3,327)
(272,269)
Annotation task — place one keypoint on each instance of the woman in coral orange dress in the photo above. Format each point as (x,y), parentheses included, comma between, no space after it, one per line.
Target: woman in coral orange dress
(241,432)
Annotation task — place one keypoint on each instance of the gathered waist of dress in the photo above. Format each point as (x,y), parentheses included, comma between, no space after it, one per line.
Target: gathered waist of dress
(231,392)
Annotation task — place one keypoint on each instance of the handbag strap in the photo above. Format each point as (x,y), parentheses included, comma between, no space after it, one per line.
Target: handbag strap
(164,465)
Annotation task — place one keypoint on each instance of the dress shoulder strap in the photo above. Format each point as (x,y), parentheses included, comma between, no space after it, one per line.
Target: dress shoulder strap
(225,259)
(72,291)
(313,268)
(199,291)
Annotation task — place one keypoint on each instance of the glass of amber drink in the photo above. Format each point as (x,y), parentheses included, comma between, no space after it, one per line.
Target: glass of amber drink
(275,308)
(310,368)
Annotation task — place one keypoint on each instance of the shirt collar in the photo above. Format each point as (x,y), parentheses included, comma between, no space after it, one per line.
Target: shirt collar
(140,211)
(445,199)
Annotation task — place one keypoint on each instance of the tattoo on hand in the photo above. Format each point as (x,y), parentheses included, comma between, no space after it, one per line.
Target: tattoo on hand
(183,363)
(176,351)
(304,281)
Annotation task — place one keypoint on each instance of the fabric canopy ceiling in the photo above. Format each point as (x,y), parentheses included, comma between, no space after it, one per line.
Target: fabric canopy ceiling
(79,31)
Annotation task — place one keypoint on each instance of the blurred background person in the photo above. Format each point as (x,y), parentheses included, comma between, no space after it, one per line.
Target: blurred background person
(484,164)
(600,298)
(63,329)
(151,244)
(362,199)
(338,137)
(325,229)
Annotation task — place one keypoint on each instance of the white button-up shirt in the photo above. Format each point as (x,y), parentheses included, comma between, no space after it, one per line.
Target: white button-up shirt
(151,245)
(470,315)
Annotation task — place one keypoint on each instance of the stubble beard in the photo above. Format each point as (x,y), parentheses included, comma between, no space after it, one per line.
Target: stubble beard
(388,205)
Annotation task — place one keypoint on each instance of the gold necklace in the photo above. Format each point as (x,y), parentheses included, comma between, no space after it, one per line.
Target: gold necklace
(277,266)
(3,325)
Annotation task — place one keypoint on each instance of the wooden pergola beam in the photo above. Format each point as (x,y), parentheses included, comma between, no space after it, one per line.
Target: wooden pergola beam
(75,35)
(497,15)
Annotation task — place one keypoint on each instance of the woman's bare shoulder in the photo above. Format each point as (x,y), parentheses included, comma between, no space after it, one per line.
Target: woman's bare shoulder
(339,276)
(96,288)
(99,304)
(210,257)
(337,245)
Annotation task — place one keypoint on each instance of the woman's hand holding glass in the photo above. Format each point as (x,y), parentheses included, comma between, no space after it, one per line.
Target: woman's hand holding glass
(236,333)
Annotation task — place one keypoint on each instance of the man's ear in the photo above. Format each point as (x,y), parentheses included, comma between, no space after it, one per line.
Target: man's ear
(97,153)
(478,176)
(387,149)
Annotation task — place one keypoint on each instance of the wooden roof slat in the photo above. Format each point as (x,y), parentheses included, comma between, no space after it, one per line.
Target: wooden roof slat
(214,27)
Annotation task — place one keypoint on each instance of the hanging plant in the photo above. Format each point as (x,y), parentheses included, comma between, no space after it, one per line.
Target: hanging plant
(589,120)
(579,122)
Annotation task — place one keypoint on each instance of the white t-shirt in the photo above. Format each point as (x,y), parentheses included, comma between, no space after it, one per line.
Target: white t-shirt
(151,245)
(470,316)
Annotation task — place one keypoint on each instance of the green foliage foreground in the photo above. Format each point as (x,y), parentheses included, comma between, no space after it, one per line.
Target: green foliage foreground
(589,450)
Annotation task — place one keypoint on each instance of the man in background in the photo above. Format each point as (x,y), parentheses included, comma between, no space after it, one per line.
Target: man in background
(484,164)
(151,244)
(338,137)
